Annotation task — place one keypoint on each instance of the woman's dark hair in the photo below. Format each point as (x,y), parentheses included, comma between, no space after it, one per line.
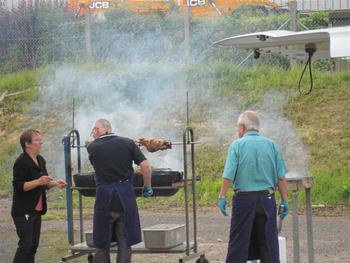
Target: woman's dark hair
(26,137)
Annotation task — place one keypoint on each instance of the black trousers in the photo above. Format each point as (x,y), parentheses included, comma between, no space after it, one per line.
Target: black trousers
(124,250)
(28,230)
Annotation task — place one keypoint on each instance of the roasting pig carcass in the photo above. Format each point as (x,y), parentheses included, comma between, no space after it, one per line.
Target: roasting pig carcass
(153,145)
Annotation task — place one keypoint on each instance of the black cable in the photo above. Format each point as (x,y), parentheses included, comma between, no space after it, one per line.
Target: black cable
(310,53)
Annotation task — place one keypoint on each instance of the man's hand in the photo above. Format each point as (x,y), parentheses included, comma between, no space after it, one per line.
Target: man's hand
(283,209)
(222,205)
(44,180)
(61,183)
(147,191)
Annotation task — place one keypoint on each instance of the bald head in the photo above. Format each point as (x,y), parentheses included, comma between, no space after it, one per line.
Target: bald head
(101,127)
(248,121)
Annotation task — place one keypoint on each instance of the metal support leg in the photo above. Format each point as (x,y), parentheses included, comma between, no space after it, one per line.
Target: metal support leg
(186,194)
(81,218)
(296,251)
(310,240)
(194,198)
(69,193)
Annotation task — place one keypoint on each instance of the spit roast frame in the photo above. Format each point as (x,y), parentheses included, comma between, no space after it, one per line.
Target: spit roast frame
(189,247)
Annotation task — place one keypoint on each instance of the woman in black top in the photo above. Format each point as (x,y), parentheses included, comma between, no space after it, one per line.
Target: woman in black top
(30,182)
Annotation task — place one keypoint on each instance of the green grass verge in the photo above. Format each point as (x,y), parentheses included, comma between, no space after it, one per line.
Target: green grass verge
(321,120)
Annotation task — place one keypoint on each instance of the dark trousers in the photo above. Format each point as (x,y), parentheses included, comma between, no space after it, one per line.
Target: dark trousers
(124,250)
(28,230)
(248,230)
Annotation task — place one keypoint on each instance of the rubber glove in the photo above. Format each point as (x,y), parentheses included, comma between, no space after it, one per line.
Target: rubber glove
(283,209)
(147,191)
(222,205)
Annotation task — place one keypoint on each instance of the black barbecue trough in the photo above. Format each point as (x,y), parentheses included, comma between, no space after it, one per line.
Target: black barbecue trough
(163,180)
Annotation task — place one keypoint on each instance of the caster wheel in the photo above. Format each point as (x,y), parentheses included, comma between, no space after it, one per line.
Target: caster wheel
(202,260)
(90,258)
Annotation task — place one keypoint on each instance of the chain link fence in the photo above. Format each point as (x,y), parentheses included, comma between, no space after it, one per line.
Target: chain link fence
(42,33)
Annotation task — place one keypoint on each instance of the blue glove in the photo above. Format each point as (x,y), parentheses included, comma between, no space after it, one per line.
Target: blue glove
(283,209)
(147,191)
(222,205)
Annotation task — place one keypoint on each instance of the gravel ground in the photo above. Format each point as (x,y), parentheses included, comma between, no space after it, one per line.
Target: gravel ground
(331,237)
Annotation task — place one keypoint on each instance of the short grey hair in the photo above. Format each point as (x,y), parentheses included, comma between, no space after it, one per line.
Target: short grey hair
(250,120)
(104,124)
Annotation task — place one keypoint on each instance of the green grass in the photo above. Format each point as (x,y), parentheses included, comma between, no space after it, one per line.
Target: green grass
(27,79)
(12,116)
(321,120)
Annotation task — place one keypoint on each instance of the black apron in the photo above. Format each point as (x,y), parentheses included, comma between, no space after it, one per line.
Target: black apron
(243,245)
(101,229)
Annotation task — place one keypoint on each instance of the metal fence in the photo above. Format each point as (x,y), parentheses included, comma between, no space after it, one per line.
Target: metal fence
(317,5)
(40,33)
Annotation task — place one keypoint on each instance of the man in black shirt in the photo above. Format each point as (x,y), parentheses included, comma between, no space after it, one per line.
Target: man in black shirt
(116,210)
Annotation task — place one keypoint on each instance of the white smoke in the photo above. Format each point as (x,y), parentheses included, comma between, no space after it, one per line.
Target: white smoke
(141,88)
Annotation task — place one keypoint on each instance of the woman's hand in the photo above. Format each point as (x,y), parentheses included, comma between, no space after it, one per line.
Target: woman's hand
(44,180)
(61,183)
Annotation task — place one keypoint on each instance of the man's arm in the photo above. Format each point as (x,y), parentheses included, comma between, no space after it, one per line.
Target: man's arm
(282,187)
(146,171)
(230,169)
(226,184)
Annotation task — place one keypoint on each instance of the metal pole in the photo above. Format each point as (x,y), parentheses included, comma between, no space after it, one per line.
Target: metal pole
(73,113)
(186,193)
(187,110)
(187,30)
(293,15)
(310,239)
(88,33)
(296,252)
(81,218)
(80,196)
(74,134)
(193,191)
(69,202)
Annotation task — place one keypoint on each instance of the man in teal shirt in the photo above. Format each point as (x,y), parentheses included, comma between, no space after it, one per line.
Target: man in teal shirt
(255,169)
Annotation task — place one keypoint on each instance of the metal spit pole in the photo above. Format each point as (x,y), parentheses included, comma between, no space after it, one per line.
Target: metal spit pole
(186,193)
(181,143)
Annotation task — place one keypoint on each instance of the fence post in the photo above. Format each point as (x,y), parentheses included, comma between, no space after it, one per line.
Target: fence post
(88,33)
(187,30)
(293,15)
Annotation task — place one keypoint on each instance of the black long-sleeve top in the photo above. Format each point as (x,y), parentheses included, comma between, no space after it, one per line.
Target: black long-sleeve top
(25,170)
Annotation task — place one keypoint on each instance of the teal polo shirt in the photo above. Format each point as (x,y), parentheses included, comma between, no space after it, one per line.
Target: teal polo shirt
(254,163)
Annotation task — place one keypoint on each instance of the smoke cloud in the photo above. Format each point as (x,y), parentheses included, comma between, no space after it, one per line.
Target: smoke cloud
(140,86)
